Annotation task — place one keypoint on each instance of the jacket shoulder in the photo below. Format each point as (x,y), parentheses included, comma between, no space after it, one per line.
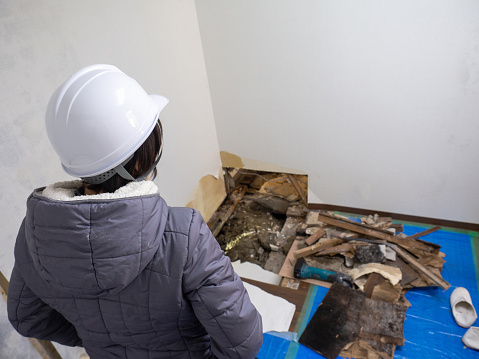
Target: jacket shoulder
(172,254)
(181,219)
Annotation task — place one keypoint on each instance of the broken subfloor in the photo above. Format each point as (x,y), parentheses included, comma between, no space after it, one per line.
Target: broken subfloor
(254,223)
(265,220)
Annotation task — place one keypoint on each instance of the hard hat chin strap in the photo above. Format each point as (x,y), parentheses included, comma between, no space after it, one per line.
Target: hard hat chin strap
(123,172)
(120,169)
(126,175)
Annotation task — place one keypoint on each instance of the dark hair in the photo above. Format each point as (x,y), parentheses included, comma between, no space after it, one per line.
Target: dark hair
(143,158)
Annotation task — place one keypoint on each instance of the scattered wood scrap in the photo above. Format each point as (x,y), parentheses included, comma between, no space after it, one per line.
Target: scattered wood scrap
(328,243)
(218,225)
(400,245)
(383,261)
(346,316)
(333,242)
(298,188)
(372,232)
(315,236)
(335,323)
(392,274)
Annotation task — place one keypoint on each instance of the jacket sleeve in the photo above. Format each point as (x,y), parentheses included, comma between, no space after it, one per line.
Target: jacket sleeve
(31,317)
(218,296)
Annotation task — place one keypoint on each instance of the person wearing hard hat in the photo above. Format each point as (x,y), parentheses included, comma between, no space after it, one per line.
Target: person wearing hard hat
(103,262)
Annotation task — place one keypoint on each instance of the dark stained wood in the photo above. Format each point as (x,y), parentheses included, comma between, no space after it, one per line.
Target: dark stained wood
(382,321)
(418,266)
(372,232)
(221,222)
(397,216)
(423,233)
(298,188)
(336,322)
(408,275)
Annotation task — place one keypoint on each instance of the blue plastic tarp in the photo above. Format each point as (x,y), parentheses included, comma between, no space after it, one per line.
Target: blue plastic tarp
(429,329)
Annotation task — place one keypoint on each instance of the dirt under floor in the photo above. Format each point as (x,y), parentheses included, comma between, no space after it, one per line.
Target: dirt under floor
(258,230)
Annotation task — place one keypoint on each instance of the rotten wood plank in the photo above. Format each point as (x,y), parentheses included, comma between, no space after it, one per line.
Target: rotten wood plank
(366,348)
(382,321)
(45,349)
(4,285)
(423,233)
(397,226)
(408,274)
(373,232)
(418,266)
(317,247)
(341,248)
(227,180)
(298,188)
(336,322)
(315,236)
(221,222)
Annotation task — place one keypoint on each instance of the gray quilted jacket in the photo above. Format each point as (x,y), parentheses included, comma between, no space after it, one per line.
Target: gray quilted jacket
(127,277)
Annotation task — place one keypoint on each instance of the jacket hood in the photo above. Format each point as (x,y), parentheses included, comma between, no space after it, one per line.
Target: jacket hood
(94,245)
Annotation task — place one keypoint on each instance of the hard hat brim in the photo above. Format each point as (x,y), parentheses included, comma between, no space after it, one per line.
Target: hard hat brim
(160,101)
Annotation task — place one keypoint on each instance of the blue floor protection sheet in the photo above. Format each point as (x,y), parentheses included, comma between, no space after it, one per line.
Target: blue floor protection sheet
(429,329)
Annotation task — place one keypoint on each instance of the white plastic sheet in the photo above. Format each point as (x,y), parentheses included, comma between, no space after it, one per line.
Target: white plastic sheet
(277,313)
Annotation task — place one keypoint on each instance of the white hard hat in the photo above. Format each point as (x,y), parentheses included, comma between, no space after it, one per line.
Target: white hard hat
(98,118)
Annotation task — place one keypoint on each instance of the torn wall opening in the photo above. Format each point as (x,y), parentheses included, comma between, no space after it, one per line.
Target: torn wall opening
(252,223)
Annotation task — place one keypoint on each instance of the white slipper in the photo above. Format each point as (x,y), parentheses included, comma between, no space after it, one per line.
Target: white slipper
(462,308)
(471,338)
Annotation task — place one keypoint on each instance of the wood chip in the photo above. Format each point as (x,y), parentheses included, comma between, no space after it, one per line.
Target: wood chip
(317,247)
(315,237)
(387,292)
(373,280)
(392,274)
(312,219)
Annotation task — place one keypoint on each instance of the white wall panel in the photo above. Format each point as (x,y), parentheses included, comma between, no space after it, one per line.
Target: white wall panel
(375,100)
(43,42)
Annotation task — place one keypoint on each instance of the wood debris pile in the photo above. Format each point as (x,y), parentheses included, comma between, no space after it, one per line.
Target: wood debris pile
(265,221)
(382,261)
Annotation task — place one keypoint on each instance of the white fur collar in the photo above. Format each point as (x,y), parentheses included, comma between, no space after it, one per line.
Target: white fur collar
(65,191)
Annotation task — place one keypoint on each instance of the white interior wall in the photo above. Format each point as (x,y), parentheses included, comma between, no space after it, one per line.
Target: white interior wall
(43,42)
(375,100)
